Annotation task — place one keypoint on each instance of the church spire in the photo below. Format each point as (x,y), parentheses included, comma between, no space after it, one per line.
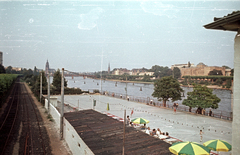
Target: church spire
(108,68)
(47,68)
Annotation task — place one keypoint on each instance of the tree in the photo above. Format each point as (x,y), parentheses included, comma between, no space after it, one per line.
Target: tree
(218,82)
(9,70)
(36,87)
(156,69)
(215,72)
(232,72)
(57,77)
(28,76)
(2,69)
(146,78)
(201,97)
(226,67)
(176,73)
(185,81)
(35,72)
(229,83)
(190,80)
(166,88)
(160,71)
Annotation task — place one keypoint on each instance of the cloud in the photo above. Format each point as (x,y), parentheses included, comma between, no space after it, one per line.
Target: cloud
(159,9)
(89,20)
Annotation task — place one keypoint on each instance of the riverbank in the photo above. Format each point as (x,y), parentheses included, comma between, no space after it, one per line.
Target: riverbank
(188,86)
(123,81)
(209,86)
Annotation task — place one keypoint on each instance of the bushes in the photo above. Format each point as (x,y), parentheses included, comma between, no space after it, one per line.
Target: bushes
(6,81)
(72,91)
(67,90)
(229,83)
(96,91)
(218,82)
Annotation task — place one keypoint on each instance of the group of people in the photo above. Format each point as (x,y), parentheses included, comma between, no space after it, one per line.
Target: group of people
(154,132)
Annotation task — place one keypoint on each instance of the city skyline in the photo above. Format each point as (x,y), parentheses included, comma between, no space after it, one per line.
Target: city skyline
(85,36)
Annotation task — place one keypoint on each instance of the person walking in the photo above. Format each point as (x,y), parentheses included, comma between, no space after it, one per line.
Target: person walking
(175,110)
(210,112)
(131,112)
(201,135)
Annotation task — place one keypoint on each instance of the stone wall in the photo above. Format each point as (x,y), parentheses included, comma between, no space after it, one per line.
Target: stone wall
(200,70)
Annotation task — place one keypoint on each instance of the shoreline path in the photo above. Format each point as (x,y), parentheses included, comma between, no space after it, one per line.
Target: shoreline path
(181,125)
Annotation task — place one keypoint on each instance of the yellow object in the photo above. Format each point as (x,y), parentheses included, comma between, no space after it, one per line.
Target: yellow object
(218,145)
(189,148)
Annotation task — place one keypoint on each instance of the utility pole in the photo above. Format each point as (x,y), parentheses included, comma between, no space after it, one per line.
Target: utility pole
(101,84)
(126,87)
(62,104)
(101,71)
(124,125)
(48,93)
(41,87)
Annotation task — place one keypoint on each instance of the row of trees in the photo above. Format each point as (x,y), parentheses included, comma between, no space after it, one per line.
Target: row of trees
(159,72)
(32,78)
(55,87)
(34,81)
(201,97)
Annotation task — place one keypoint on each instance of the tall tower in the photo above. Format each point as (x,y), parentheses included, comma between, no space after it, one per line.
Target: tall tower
(1,58)
(108,68)
(47,68)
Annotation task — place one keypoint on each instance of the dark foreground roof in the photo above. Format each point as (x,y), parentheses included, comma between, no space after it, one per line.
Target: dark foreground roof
(231,22)
(104,135)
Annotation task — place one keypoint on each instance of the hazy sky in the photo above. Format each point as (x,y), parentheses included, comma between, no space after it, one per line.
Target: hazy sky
(85,36)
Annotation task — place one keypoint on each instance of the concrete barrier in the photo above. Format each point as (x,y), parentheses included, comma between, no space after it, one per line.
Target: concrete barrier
(54,113)
(74,141)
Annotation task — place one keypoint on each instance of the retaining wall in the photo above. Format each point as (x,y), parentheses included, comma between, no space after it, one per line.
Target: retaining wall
(74,141)
(54,113)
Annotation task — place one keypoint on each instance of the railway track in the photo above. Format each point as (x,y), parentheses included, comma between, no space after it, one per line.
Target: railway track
(22,123)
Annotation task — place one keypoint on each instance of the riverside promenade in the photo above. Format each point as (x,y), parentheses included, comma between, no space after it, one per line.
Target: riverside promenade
(181,125)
